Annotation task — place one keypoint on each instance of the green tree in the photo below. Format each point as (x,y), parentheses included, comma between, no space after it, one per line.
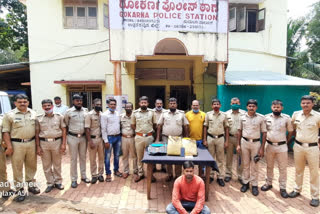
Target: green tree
(13,27)
(296,30)
(313,33)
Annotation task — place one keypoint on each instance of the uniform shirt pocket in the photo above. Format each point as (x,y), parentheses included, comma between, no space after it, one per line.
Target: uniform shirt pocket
(17,124)
(43,126)
(269,124)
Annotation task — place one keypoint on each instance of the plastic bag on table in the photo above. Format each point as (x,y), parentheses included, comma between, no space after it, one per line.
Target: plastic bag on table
(190,147)
(174,145)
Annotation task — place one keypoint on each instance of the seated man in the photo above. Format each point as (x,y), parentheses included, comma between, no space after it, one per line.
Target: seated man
(188,193)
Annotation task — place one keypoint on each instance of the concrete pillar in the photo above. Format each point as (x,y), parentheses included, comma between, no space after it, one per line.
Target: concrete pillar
(220,73)
(117,78)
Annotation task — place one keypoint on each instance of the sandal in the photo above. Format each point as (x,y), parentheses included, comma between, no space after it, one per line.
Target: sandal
(108,178)
(117,173)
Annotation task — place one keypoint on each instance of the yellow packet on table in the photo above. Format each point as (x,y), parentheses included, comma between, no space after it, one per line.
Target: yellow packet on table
(190,147)
(174,145)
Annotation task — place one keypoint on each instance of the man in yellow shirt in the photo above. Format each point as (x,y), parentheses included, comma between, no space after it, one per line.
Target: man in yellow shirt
(196,120)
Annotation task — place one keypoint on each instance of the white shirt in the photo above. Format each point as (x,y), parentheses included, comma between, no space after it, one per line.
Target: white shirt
(60,109)
(110,124)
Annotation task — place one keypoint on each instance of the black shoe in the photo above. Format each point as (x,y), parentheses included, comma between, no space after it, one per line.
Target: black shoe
(48,189)
(100,178)
(211,179)
(34,190)
(59,186)
(266,187)
(227,179)
(255,190)
(220,182)
(74,184)
(94,180)
(21,196)
(293,194)
(86,180)
(244,187)
(284,193)
(7,194)
(314,202)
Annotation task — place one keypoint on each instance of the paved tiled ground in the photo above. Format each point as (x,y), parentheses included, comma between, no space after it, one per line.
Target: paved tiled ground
(124,195)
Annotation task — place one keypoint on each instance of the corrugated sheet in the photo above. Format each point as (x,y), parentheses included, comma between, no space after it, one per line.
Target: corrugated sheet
(266,78)
(245,1)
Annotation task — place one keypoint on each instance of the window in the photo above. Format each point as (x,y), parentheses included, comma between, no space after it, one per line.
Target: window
(246,18)
(80,14)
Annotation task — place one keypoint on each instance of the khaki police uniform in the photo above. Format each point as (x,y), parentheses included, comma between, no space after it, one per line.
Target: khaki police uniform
(216,124)
(173,126)
(306,149)
(144,129)
(128,144)
(234,121)
(50,134)
(4,184)
(92,122)
(251,128)
(76,140)
(21,127)
(277,128)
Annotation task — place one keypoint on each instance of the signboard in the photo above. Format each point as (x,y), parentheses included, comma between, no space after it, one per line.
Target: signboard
(170,15)
(137,26)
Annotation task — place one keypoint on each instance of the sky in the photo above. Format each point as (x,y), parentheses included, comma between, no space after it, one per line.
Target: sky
(298,8)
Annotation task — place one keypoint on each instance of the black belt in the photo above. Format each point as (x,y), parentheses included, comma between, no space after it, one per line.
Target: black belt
(22,140)
(276,144)
(115,135)
(50,139)
(309,144)
(251,140)
(231,135)
(95,136)
(75,135)
(215,136)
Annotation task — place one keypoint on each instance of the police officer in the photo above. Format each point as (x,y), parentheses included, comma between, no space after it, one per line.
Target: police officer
(143,122)
(94,138)
(18,134)
(250,128)
(306,124)
(233,116)
(51,144)
(127,141)
(75,119)
(216,136)
(277,126)
(5,191)
(172,123)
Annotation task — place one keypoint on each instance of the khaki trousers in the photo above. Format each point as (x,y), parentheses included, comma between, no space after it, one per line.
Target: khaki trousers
(128,151)
(311,155)
(77,147)
(216,149)
(229,158)
(141,143)
(250,168)
(4,184)
(177,168)
(51,161)
(98,149)
(272,154)
(23,154)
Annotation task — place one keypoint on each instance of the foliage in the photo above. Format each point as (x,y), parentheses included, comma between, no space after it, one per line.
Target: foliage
(313,34)
(9,56)
(13,27)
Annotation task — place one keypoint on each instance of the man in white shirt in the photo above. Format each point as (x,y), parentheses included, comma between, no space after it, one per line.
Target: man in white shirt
(110,128)
(58,107)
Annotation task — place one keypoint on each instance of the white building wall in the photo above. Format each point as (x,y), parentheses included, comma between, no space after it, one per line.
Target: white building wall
(265,50)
